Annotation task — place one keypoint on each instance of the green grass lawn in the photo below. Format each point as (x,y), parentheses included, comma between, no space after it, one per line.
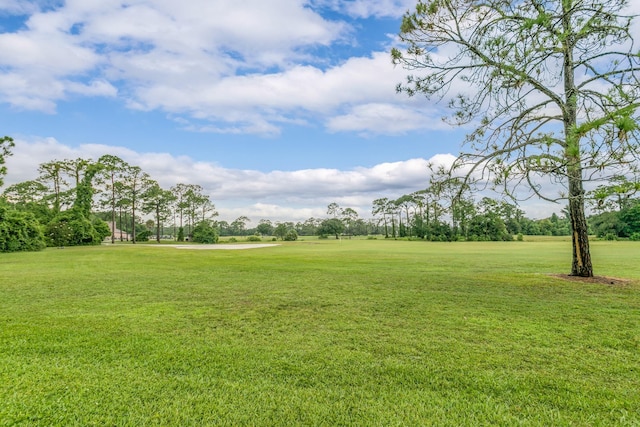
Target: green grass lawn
(370,333)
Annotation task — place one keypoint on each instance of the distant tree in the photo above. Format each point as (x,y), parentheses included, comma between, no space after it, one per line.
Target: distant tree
(309,227)
(334,210)
(360,227)
(25,193)
(224,228)
(135,183)
(196,204)
(52,175)
(181,204)
(123,204)
(157,202)
(631,218)
(349,217)
(331,226)
(6,144)
(75,169)
(239,225)
(380,207)
(206,208)
(265,227)
(404,204)
(487,224)
(280,230)
(30,196)
(608,223)
(552,86)
(111,172)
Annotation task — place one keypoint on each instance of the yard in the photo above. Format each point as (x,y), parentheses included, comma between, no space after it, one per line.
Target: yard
(352,332)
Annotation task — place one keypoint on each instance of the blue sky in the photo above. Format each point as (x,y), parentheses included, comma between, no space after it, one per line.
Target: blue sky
(277,108)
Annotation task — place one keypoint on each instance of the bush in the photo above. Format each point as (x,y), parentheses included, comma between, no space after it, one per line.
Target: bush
(19,231)
(102,228)
(635,237)
(291,236)
(520,237)
(204,232)
(254,239)
(181,234)
(71,228)
(610,236)
(143,236)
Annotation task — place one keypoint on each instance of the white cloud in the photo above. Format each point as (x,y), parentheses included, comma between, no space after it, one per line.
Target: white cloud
(365,86)
(239,67)
(386,119)
(18,6)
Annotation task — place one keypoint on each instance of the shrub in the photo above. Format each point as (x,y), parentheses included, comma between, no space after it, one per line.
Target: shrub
(254,239)
(181,234)
(19,231)
(71,228)
(204,232)
(520,237)
(291,236)
(635,237)
(102,228)
(143,236)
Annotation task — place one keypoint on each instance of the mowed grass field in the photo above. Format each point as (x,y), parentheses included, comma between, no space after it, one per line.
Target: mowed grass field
(320,333)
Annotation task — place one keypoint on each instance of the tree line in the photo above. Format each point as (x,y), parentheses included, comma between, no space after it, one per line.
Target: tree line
(85,202)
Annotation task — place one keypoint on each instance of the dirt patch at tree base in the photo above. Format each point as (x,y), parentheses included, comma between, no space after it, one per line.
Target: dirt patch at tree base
(602,280)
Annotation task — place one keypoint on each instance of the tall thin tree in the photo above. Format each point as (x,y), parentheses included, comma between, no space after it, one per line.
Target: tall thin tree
(550,85)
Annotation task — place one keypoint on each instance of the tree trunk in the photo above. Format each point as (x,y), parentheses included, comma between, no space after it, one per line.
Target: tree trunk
(133,220)
(113,211)
(158,223)
(581,265)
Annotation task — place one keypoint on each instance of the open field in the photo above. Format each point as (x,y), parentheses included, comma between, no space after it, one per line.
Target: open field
(371,333)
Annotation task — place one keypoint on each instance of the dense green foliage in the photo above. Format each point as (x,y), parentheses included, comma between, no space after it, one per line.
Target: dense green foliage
(621,223)
(6,144)
(204,232)
(291,236)
(19,231)
(331,226)
(72,228)
(356,332)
